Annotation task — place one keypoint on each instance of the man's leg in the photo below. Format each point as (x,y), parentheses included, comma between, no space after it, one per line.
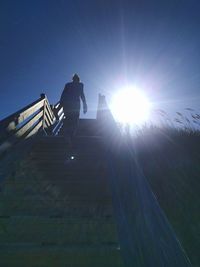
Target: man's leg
(75,121)
(67,126)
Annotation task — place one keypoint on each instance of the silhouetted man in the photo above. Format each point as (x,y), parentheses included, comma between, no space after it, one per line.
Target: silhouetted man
(70,100)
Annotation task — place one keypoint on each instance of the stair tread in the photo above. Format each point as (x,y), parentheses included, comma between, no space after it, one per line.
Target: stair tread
(70,217)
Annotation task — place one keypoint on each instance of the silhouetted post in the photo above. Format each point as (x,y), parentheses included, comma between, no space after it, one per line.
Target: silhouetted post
(43,96)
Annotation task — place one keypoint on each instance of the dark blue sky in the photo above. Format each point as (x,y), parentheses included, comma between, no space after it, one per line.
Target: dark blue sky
(153,44)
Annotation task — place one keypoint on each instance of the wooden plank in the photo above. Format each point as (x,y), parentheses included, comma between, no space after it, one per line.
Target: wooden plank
(62,115)
(60,111)
(48,119)
(57,127)
(8,132)
(35,129)
(47,123)
(30,111)
(49,109)
(29,124)
(58,108)
(14,138)
(10,123)
(56,105)
(48,115)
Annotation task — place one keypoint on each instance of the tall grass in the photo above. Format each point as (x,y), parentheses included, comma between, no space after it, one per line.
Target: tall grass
(169,156)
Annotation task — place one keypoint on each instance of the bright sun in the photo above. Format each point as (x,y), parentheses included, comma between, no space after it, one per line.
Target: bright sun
(130,106)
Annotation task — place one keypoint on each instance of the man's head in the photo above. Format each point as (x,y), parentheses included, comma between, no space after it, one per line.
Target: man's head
(75,78)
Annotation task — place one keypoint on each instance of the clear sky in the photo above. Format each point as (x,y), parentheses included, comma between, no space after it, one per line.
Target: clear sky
(152,44)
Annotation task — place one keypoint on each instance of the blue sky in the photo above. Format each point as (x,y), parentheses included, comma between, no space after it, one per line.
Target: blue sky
(152,44)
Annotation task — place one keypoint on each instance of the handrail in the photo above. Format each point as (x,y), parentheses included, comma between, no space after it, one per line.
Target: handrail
(39,116)
(59,115)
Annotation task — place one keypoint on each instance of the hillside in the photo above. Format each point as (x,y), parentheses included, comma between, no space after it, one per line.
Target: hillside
(170,160)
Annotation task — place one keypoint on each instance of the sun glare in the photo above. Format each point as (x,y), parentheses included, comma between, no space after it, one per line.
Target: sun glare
(130,106)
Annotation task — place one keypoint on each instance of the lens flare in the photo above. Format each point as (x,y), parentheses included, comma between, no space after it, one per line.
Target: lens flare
(130,106)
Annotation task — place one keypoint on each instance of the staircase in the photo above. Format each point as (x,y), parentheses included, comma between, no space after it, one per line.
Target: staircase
(63,216)
(58,200)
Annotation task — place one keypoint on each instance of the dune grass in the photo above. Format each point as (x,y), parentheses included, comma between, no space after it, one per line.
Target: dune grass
(170,160)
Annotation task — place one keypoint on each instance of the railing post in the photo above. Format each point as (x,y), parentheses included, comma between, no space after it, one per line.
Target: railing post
(24,123)
(43,96)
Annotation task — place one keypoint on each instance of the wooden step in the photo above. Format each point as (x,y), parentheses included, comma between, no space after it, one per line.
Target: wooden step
(61,256)
(64,230)
(51,204)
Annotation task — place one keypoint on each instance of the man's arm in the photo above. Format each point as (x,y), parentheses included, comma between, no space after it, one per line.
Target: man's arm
(84,101)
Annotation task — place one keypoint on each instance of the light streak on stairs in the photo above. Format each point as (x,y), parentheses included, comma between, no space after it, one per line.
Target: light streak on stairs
(93,210)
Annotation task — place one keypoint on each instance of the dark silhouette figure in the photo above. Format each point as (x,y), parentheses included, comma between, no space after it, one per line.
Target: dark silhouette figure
(70,101)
